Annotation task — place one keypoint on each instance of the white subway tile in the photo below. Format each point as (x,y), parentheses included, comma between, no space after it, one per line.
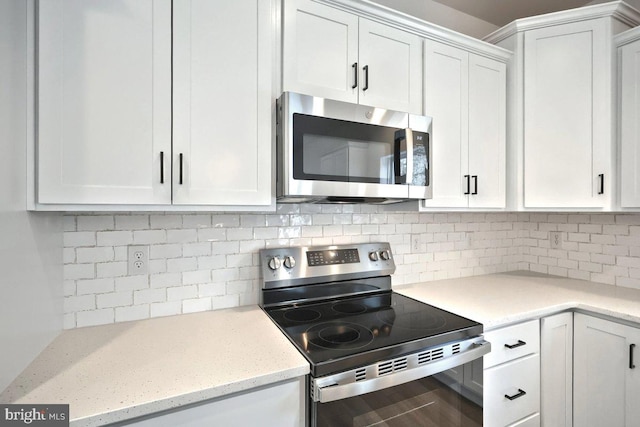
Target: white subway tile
(147,296)
(94,318)
(95,223)
(149,237)
(173,250)
(178,265)
(211,289)
(165,280)
(111,269)
(69,321)
(196,305)
(114,238)
(132,222)
(136,312)
(73,239)
(196,221)
(99,254)
(78,271)
(68,255)
(131,283)
(166,308)
(165,221)
(196,249)
(74,304)
(252,220)
(225,301)
(182,292)
(69,224)
(114,299)
(94,286)
(196,277)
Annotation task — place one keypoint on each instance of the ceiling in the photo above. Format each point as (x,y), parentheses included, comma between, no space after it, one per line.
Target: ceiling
(502,12)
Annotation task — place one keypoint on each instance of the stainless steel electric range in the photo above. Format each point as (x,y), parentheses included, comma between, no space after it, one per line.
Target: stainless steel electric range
(377,357)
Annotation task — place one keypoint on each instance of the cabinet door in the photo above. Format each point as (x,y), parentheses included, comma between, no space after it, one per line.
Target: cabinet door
(391,68)
(104,101)
(556,370)
(222,149)
(320,51)
(606,388)
(630,125)
(446,84)
(487,132)
(567,133)
(280,405)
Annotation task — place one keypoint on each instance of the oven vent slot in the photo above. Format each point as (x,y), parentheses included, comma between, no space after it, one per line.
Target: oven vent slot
(361,374)
(455,349)
(431,355)
(392,366)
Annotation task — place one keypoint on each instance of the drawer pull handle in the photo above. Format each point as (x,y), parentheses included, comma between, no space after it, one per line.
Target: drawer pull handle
(520,343)
(631,364)
(520,393)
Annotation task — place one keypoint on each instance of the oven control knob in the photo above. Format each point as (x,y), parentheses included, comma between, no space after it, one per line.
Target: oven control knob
(289,262)
(373,256)
(275,263)
(385,255)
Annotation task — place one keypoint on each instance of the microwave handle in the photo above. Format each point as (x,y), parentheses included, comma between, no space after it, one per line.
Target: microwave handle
(407,136)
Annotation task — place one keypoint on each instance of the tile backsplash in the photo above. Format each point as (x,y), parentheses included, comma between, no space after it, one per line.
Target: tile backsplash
(208,261)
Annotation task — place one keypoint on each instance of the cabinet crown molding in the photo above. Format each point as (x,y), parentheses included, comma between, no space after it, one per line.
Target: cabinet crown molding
(618,10)
(385,15)
(627,37)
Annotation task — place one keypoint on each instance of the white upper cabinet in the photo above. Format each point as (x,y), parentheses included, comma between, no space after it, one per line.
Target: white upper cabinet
(104,102)
(629,103)
(334,54)
(222,102)
(320,50)
(465,93)
(562,118)
(567,128)
(109,132)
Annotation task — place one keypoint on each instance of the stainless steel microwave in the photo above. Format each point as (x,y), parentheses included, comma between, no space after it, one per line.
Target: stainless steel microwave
(337,152)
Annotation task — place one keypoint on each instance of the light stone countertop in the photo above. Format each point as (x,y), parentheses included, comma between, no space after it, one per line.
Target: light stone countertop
(497,300)
(125,370)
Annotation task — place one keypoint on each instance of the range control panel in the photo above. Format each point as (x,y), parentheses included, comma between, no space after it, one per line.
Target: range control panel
(283,267)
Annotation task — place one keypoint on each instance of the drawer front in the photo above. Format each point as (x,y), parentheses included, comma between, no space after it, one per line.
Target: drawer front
(511,342)
(532,421)
(520,380)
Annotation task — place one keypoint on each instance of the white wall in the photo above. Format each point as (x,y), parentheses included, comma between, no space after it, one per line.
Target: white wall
(30,244)
(442,15)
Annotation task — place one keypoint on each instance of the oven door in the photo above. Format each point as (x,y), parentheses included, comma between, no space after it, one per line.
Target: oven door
(338,150)
(450,397)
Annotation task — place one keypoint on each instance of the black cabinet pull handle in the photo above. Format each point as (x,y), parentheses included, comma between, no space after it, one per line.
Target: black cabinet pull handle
(475,184)
(520,393)
(162,167)
(180,177)
(520,343)
(601,178)
(467,177)
(355,75)
(631,364)
(366,77)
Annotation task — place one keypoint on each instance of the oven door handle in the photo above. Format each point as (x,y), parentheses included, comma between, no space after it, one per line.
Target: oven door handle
(332,392)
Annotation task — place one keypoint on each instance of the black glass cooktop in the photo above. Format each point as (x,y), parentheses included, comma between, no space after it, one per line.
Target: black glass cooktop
(342,334)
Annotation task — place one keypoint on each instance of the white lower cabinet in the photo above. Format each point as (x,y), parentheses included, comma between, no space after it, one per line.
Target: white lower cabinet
(606,379)
(281,405)
(556,370)
(512,376)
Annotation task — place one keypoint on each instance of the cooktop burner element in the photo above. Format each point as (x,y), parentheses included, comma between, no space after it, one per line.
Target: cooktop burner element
(338,336)
(336,305)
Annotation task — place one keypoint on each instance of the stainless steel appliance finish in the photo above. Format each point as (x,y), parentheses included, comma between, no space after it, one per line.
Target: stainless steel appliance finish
(376,356)
(331,151)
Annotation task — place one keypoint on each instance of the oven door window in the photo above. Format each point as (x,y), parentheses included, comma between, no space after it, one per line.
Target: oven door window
(437,401)
(336,150)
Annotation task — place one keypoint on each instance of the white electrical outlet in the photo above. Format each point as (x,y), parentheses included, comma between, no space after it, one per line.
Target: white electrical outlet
(138,260)
(555,239)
